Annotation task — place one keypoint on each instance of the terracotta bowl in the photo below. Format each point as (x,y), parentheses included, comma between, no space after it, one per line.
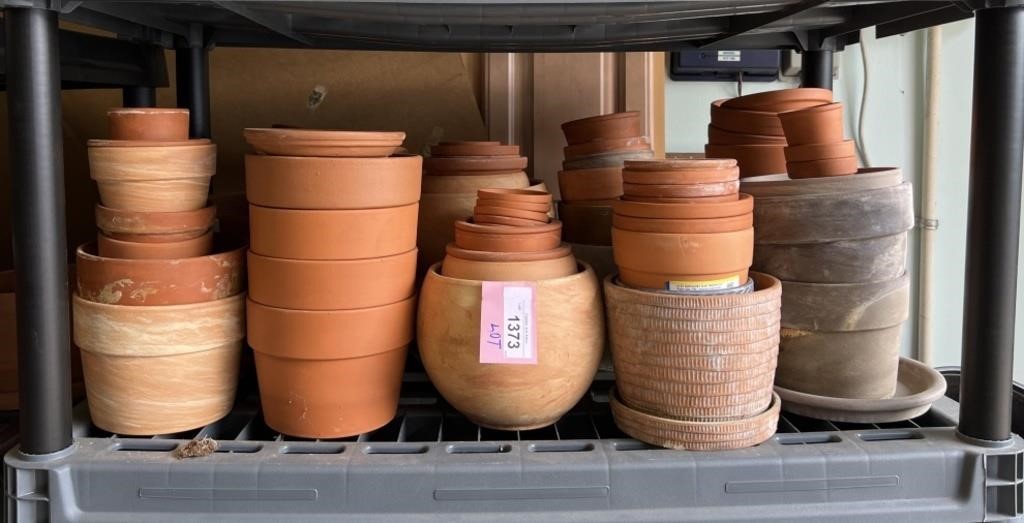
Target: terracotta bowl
(153,178)
(473,149)
(162,124)
(820,151)
(603,183)
(569,343)
(604,146)
(291,182)
(753,160)
(680,172)
(781,100)
(705,225)
(700,190)
(470,184)
(473,165)
(331,284)
(118,281)
(188,355)
(613,159)
(480,237)
(160,226)
(686,211)
(822,168)
(532,270)
(561,251)
(650,260)
(332,234)
(818,124)
(346,365)
(146,250)
(588,222)
(722,137)
(615,125)
(745,121)
(316,142)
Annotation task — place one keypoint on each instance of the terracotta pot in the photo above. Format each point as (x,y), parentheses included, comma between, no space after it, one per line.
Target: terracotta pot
(188,354)
(179,281)
(753,160)
(650,260)
(745,121)
(822,168)
(290,182)
(526,199)
(701,190)
(470,184)
(820,151)
(588,222)
(615,125)
(570,339)
(112,248)
(317,142)
(706,225)
(722,137)
(680,172)
(333,234)
(561,251)
(781,100)
(469,269)
(479,237)
(158,226)
(605,146)
(473,165)
(485,219)
(331,284)
(473,149)
(590,184)
(162,124)
(345,365)
(153,178)
(686,211)
(667,199)
(534,217)
(614,159)
(818,124)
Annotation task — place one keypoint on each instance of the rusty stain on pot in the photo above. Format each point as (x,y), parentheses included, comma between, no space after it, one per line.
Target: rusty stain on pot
(109,293)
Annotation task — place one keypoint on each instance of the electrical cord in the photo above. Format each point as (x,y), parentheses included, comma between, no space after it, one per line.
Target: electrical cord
(861,148)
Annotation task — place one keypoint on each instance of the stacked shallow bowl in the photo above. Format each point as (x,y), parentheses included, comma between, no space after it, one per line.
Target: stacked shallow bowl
(510,326)
(748,129)
(332,265)
(151,298)
(816,147)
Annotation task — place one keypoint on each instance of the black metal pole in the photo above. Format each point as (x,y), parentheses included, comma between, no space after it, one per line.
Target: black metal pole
(997,149)
(40,238)
(139,96)
(192,66)
(816,69)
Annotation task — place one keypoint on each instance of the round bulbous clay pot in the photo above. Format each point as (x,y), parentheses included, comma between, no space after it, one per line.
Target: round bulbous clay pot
(449,149)
(822,168)
(188,355)
(188,248)
(153,178)
(701,190)
(604,146)
(532,216)
(650,260)
(587,222)
(331,284)
(719,136)
(160,124)
(473,165)
(570,340)
(604,183)
(781,100)
(176,281)
(668,199)
(137,226)
(686,211)
(753,160)
(820,151)
(290,182)
(616,125)
(818,124)
(612,159)
(680,172)
(745,121)
(332,234)
(705,225)
(471,184)
(478,237)
(316,142)
(345,366)
(530,270)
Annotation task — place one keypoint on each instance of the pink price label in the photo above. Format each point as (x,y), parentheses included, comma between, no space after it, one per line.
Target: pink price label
(508,323)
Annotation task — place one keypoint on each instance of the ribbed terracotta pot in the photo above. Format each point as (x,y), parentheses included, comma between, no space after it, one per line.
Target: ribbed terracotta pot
(150,227)
(588,222)
(781,100)
(153,178)
(479,237)
(616,125)
(470,184)
(332,234)
(570,339)
(473,165)
(745,121)
(474,149)
(754,160)
(695,357)
(322,142)
(148,250)
(590,184)
(331,284)
(814,125)
(822,168)
(527,270)
(161,124)
(290,182)
(330,374)
(650,260)
(719,136)
(686,211)
(188,355)
(606,145)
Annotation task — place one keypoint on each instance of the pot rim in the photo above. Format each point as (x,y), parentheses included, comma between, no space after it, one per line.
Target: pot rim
(318,136)
(87,251)
(459,252)
(210,210)
(540,228)
(745,204)
(680,164)
(340,262)
(583,271)
(601,118)
(396,157)
(161,308)
(146,110)
(781,95)
(760,294)
(374,210)
(832,106)
(106,142)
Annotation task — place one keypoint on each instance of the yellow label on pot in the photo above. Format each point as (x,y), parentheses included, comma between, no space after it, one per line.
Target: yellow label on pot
(720,284)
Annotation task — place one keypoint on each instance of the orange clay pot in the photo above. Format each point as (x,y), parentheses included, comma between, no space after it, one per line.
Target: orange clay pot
(754,160)
(331,284)
(471,184)
(701,190)
(680,172)
(820,151)
(561,251)
(615,125)
(533,270)
(745,121)
(291,182)
(330,374)
(652,260)
(111,248)
(317,142)
(701,226)
(525,199)
(533,216)
(477,237)
(154,226)
(603,183)
(722,137)
(823,168)
(604,146)
(667,199)
(161,124)
(156,178)
(473,149)
(506,220)
(473,165)
(176,281)
(588,222)
(819,124)
(332,234)
(686,211)
(781,100)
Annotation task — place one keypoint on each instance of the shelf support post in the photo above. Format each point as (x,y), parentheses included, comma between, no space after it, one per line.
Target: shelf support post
(192,64)
(139,96)
(816,68)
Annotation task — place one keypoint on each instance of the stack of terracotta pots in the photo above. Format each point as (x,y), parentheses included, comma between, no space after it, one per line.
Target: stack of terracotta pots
(332,267)
(151,298)
(748,129)
(510,326)
(816,147)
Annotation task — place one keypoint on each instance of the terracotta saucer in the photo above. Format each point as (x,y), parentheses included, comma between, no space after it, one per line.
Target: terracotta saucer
(917,387)
(317,142)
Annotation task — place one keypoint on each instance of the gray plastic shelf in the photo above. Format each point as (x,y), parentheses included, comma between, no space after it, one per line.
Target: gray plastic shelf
(431,462)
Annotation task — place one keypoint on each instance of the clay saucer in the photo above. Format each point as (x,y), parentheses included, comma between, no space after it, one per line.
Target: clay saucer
(470,165)
(315,142)
(917,387)
(781,100)
(615,125)
(101,142)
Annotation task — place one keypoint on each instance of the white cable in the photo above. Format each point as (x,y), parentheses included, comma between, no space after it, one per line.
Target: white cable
(861,148)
